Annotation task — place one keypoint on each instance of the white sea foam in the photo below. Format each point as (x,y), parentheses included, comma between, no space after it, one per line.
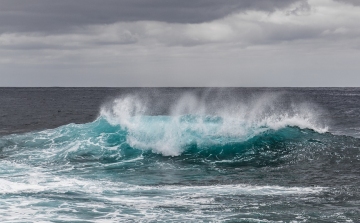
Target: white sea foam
(124,202)
(237,189)
(117,201)
(35,180)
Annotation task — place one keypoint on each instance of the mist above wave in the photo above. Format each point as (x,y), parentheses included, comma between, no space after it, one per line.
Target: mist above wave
(205,120)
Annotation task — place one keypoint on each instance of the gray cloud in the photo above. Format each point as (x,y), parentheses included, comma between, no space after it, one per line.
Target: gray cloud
(179,43)
(298,22)
(353,2)
(65,15)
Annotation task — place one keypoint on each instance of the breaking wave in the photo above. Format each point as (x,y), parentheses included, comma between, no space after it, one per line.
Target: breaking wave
(126,129)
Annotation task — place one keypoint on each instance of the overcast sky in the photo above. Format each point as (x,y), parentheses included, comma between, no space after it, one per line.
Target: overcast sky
(120,43)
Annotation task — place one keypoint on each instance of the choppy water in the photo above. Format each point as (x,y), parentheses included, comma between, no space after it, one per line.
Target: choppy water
(186,155)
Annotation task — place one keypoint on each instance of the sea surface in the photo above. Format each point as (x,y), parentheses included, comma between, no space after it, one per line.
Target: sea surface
(179,155)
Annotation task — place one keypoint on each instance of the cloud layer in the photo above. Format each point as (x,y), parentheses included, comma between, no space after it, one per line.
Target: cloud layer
(298,22)
(64,15)
(137,42)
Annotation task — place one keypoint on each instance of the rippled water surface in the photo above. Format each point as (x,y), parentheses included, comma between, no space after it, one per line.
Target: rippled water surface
(174,154)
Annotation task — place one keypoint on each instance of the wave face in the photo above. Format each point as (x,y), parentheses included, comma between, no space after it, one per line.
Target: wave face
(187,163)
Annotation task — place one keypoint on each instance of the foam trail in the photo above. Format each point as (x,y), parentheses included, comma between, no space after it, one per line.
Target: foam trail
(61,185)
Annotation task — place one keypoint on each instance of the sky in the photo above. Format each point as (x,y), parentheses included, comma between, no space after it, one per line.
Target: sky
(180,43)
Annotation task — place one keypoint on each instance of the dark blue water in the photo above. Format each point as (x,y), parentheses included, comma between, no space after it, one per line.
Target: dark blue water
(179,154)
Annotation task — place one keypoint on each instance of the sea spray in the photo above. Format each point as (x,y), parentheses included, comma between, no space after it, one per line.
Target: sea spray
(192,121)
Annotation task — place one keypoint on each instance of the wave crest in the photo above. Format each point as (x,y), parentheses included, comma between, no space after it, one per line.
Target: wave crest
(197,120)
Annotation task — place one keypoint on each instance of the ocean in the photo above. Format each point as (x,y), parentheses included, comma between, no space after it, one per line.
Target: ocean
(179,155)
